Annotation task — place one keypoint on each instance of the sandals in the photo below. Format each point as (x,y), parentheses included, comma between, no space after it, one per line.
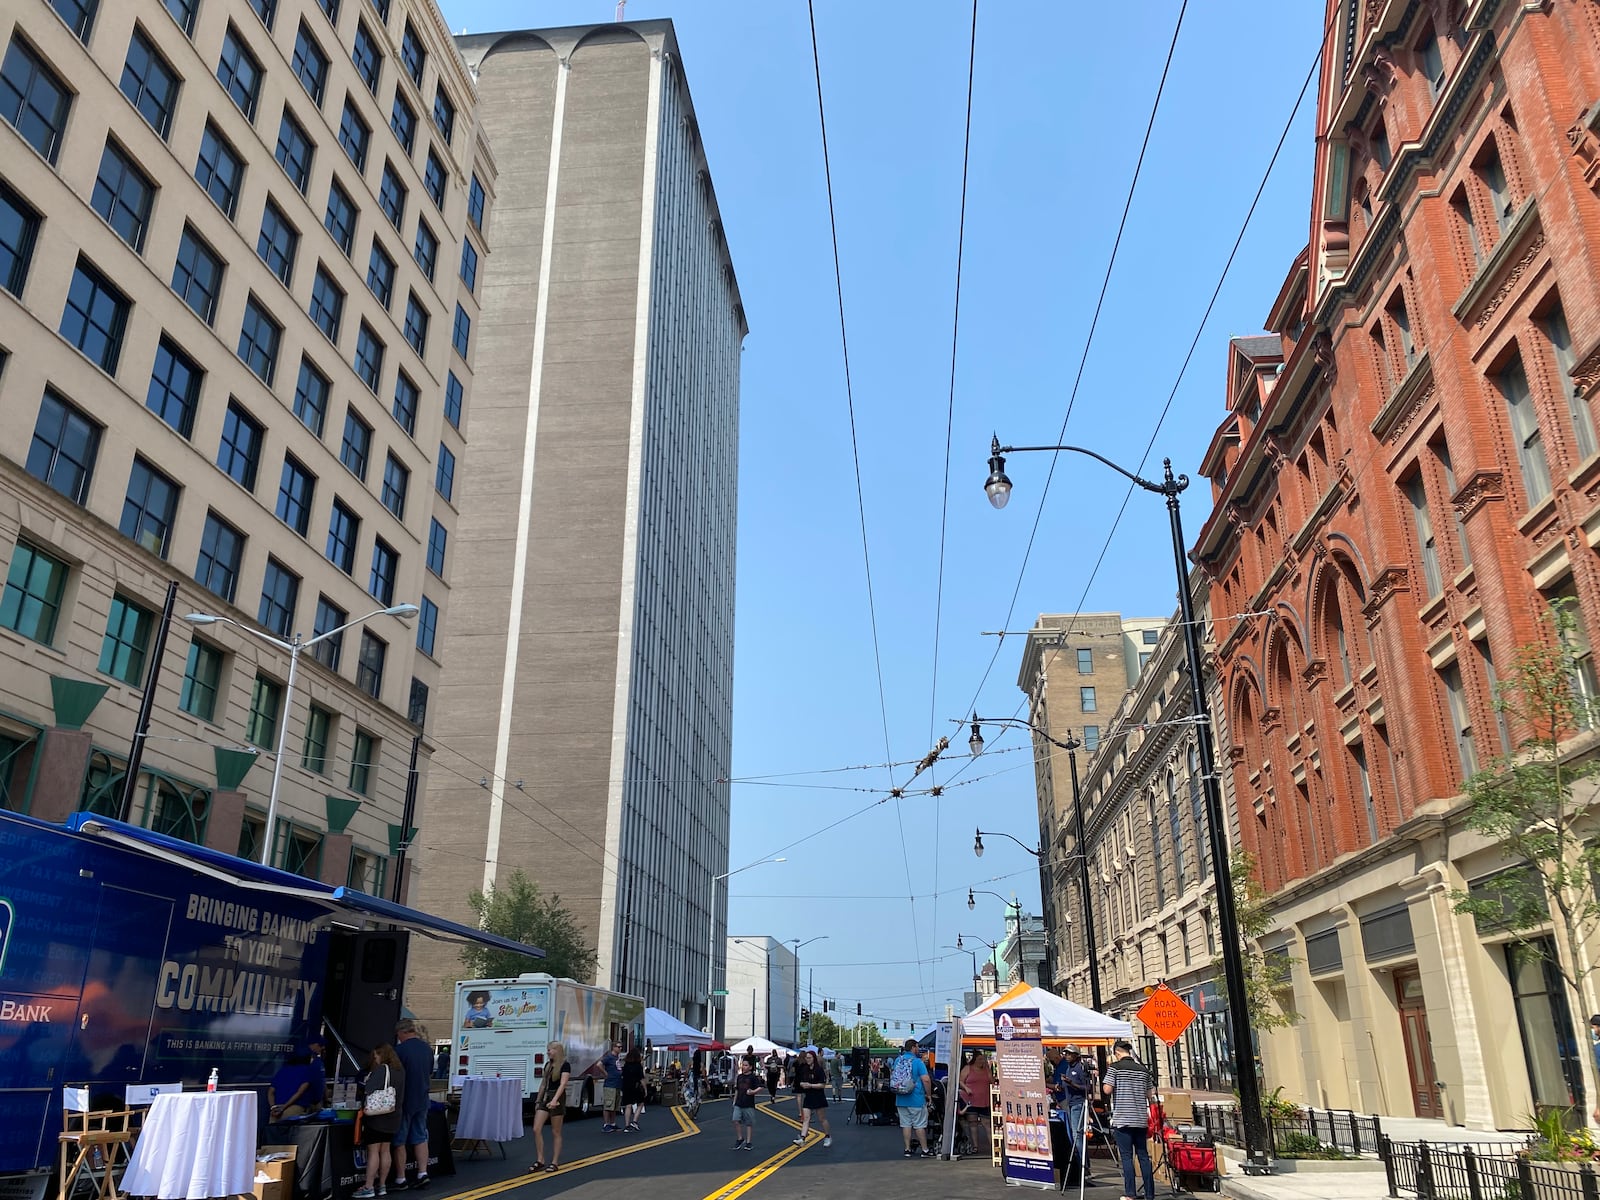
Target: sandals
(553,1168)
(536,1168)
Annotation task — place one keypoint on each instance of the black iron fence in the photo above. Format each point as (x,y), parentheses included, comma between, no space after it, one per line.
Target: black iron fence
(1482,1171)
(1302,1135)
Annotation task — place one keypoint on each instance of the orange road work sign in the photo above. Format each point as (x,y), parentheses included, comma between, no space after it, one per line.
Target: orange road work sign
(1165,1014)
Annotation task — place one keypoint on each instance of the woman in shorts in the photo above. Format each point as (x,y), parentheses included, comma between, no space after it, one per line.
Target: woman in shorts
(811,1082)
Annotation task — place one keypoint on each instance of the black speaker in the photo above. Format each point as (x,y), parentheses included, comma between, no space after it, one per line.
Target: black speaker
(366,976)
(860,1061)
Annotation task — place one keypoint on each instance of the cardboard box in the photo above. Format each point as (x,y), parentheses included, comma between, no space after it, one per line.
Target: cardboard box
(278,1189)
(278,1169)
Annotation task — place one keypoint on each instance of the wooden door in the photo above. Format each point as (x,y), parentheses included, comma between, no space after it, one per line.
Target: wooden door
(1419,1045)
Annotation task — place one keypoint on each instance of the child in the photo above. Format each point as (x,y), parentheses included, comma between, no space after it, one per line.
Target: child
(478,1014)
(745,1086)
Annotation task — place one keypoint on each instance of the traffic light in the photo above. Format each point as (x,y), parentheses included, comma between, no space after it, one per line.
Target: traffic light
(858,1008)
(805,1015)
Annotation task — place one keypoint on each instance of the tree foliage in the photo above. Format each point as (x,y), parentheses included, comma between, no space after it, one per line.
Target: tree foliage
(519,911)
(1264,977)
(1525,803)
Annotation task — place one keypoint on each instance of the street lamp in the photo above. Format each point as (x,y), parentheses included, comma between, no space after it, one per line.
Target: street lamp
(795,1011)
(974,954)
(972,903)
(293,648)
(1044,883)
(711,935)
(998,488)
(1086,900)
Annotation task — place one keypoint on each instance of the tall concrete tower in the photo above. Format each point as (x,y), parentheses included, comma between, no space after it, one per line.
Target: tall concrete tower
(584,714)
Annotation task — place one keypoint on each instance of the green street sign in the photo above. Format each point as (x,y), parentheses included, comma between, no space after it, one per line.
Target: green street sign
(720,992)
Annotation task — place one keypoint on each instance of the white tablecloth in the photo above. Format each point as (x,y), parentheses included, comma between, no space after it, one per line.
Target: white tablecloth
(195,1145)
(491,1109)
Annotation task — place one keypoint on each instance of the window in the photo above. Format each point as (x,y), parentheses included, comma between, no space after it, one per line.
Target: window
(462,331)
(221,554)
(357,445)
(174,391)
(341,217)
(1150,637)
(469,264)
(150,82)
(183,12)
(437,537)
(33,99)
(1197,809)
(239,73)
(1461,206)
(123,195)
(355,135)
(202,680)
(319,732)
(65,443)
(426,251)
(417,705)
(385,566)
(1086,701)
(219,170)
(258,341)
(1155,863)
(1460,717)
(380,274)
(31,602)
(362,754)
(369,665)
(311,397)
(427,626)
(296,487)
(444,114)
(416,326)
(240,448)
(1085,662)
(412,55)
(267,10)
(280,591)
(327,304)
(392,196)
(406,399)
(294,151)
(343,529)
(78,14)
(310,65)
(1441,451)
(302,851)
(452,399)
(1175,827)
(367,57)
(1358,756)
(369,357)
(1427,546)
(1585,685)
(444,480)
(433,179)
(150,508)
(396,481)
(278,243)
(329,617)
(1402,324)
(330,9)
(1513,384)
(1555,327)
(94,317)
(197,275)
(19,227)
(1432,63)
(1091,738)
(383,8)
(1493,176)
(403,120)
(261,729)
(476,198)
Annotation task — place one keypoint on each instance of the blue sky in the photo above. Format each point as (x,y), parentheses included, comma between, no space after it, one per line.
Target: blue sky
(1062,96)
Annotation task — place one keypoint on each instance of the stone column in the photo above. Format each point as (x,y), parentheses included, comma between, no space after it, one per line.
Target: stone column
(335,858)
(58,777)
(225,821)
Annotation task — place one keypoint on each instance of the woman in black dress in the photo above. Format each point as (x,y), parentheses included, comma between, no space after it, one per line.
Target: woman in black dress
(811,1083)
(378,1129)
(633,1093)
(552,1107)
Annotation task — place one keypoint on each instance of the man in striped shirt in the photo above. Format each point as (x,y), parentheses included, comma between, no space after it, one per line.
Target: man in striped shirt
(1131,1089)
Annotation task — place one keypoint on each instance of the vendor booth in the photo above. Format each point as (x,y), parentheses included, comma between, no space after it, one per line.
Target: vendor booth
(662,1029)
(1061,1021)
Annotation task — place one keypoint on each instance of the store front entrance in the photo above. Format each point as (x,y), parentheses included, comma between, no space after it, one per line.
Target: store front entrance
(1425,1097)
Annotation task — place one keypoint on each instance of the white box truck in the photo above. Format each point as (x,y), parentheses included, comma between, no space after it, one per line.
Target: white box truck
(504,1026)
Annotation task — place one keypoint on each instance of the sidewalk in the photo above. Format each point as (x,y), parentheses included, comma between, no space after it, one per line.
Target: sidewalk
(1323,1185)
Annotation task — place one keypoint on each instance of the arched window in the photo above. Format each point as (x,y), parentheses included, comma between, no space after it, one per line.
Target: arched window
(1176,821)
(1197,810)
(1155,853)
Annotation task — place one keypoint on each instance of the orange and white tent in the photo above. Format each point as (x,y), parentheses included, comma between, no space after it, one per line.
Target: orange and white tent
(1061,1021)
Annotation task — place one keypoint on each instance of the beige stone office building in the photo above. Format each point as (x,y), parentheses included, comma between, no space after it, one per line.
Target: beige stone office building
(590,669)
(238,247)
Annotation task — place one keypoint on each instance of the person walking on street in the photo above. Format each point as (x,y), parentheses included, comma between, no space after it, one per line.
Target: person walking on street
(1072,1085)
(1131,1089)
(551,1107)
(772,1074)
(611,1096)
(911,1105)
(378,1129)
(836,1074)
(633,1093)
(975,1085)
(745,1086)
(417,1060)
(811,1084)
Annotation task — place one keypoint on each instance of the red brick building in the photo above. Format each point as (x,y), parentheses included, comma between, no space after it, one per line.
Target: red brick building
(1406,474)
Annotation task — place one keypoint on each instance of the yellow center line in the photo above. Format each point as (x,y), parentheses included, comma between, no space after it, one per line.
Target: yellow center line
(757,1173)
(686,1127)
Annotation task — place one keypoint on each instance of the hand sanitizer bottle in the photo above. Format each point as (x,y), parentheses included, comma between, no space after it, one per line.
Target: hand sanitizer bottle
(211,1084)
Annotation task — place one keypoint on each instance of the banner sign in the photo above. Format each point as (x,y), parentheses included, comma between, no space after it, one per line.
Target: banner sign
(941,1043)
(1019,1067)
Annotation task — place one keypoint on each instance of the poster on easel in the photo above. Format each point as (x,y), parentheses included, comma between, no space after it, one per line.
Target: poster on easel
(1024,1101)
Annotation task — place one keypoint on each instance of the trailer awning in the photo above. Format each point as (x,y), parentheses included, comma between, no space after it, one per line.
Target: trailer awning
(230,868)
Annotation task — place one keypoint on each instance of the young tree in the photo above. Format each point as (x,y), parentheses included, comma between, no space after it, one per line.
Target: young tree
(519,911)
(1264,978)
(1525,802)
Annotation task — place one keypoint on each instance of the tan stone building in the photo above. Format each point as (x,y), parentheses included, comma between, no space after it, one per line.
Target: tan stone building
(238,250)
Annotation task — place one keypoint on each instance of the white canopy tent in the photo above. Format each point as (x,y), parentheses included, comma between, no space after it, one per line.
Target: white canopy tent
(663,1029)
(757,1045)
(1060,1019)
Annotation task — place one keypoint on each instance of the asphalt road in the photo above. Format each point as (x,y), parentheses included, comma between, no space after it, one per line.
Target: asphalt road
(675,1158)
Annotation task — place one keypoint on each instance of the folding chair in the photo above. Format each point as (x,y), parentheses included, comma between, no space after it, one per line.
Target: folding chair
(95,1144)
